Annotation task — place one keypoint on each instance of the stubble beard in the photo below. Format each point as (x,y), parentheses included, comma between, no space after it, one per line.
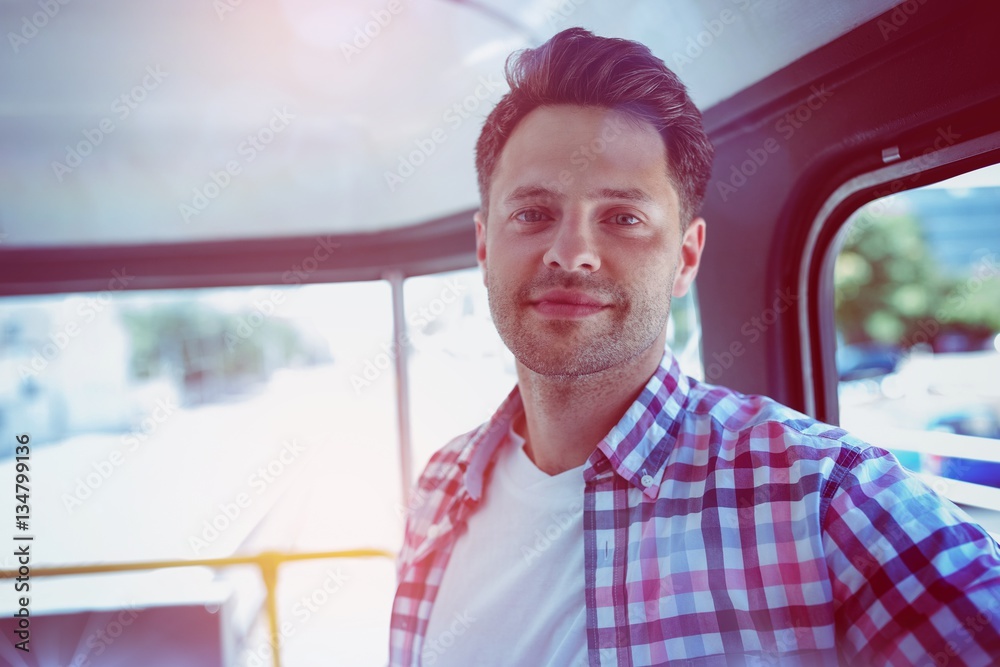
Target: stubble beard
(577,347)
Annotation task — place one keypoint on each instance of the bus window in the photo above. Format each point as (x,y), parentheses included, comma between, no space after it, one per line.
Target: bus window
(917,289)
(456,359)
(193,424)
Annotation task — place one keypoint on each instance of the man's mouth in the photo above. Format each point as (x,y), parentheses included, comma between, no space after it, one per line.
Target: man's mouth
(567,304)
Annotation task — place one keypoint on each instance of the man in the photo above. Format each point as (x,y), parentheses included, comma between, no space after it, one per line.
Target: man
(614,511)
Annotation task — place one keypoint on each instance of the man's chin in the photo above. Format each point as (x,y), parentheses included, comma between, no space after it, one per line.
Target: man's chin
(563,372)
(578,352)
(564,361)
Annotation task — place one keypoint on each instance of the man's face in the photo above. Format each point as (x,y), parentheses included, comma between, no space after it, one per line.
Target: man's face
(582,248)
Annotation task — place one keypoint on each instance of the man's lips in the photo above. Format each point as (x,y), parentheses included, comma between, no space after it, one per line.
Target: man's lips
(567,303)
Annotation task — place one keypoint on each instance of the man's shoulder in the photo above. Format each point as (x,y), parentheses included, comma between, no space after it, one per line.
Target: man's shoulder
(441,477)
(758,423)
(755,441)
(456,470)
(443,463)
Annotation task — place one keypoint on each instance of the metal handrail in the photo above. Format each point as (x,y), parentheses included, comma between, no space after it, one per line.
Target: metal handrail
(267,562)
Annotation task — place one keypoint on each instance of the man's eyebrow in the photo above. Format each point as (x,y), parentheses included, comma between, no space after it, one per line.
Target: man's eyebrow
(628,194)
(523,192)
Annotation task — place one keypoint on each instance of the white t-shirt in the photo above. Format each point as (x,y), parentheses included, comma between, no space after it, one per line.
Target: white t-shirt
(513,590)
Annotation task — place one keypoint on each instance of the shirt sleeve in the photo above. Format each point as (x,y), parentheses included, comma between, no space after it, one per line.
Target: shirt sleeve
(914,580)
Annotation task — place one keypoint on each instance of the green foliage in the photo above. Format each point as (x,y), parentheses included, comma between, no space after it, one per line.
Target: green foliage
(192,342)
(684,312)
(889,287)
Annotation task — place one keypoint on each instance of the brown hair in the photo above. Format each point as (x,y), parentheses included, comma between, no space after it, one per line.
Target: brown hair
(577,67)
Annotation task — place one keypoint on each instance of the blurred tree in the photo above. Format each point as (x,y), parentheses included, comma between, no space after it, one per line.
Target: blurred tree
(209,352)
(889,287)
(886,283)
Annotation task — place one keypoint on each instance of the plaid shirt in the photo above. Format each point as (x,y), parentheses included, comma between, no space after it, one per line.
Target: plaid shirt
(727,529)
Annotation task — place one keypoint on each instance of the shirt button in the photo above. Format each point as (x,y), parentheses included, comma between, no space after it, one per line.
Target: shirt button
(647,480)
(433,531)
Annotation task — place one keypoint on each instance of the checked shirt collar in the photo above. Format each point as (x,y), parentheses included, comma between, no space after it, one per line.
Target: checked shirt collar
(636,448)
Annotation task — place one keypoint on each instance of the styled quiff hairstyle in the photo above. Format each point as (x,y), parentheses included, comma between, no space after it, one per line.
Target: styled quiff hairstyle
(579,68)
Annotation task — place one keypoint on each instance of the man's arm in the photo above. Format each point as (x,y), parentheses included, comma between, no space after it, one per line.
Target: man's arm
(914,580)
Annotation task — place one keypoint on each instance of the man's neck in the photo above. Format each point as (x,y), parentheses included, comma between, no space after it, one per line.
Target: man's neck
(566,417)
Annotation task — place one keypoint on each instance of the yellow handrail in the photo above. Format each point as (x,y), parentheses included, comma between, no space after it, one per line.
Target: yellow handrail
(267,562)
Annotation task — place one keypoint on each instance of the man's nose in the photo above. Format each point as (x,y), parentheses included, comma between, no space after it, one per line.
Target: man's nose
(573,246)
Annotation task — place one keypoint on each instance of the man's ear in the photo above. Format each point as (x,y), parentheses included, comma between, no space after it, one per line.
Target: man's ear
(480,218)
(692,244)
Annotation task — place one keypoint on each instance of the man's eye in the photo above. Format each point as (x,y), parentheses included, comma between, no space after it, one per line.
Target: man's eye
(530,215)
(625,219)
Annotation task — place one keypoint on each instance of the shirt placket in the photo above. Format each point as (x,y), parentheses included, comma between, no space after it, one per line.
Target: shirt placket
(605,523)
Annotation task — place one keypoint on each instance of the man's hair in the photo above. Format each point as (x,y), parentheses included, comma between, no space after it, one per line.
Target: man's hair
(579,68)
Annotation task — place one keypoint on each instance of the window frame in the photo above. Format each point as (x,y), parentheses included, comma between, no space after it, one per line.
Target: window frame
(816,326)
